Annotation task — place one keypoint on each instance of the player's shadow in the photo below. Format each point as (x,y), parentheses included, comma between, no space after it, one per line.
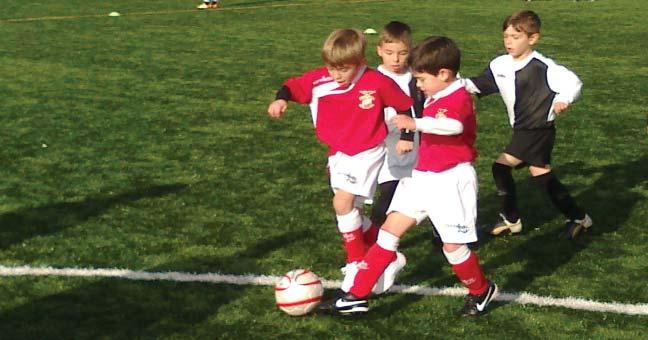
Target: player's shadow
(125,309)
(23,224)
(610,201)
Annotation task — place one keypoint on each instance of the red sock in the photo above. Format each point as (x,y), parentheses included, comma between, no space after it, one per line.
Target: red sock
(354,245)
(370,236)
(370,269)
(470,274)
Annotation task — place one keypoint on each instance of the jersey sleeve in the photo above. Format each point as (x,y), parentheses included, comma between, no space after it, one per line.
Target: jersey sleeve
(392,95)
(482,85)
(564,82)
(301,88)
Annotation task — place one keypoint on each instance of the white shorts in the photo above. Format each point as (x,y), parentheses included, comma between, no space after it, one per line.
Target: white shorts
(448,199)
(356,174)
(397,166)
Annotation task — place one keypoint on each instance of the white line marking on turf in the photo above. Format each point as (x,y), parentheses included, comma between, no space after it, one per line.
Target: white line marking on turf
(264,280)
(241,8)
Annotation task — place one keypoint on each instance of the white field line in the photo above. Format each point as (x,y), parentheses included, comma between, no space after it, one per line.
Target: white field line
(148,13)
(264,280)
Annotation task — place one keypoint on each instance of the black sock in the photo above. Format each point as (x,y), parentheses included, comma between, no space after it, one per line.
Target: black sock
(506,191)
(379,210)
(559,195)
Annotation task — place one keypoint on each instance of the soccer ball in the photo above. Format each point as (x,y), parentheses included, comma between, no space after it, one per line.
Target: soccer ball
(298,292)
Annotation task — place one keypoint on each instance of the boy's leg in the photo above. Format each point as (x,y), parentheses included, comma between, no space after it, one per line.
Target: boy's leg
(349,222)
(379,212)
(466,267)
(359,282)
(381,254)
(577,219)
(502,174)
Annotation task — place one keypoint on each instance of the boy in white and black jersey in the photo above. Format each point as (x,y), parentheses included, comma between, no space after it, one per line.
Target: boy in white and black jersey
(535,90)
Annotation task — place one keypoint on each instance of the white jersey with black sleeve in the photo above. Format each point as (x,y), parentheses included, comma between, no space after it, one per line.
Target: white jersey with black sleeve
(528,87)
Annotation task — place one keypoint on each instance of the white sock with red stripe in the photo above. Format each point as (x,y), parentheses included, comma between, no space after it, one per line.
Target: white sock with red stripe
(466,267)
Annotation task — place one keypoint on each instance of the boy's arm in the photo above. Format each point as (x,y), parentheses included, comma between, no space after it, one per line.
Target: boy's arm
(439,126)
(482,85)
(565,83)
(298,89)
(417,109)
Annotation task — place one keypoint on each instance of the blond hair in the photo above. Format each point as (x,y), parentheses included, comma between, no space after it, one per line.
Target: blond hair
(344,46)
(395,32)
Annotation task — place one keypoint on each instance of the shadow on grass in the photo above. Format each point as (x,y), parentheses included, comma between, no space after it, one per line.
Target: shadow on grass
(24,224)
(610,201)
(123,309)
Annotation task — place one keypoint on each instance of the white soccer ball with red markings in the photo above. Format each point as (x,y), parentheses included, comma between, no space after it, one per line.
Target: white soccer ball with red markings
(298,292)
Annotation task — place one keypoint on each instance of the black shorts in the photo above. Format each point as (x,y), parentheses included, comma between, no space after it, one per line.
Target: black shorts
(533,147)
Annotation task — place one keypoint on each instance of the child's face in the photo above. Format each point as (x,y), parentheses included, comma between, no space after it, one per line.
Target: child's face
(343,74)
(431,84)
(394,56)
(518,44)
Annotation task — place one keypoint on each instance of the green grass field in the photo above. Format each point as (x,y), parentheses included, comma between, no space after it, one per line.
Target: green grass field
(141,142)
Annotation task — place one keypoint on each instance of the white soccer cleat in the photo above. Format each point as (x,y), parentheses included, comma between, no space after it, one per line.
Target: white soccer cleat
(388,277)
(203,6)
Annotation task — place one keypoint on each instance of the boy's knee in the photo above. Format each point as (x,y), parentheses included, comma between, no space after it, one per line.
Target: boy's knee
(343,202)
(508,160)
(456,253)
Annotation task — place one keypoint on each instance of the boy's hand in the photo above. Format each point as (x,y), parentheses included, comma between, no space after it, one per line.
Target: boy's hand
(404,122)
(404,146)
(559,107)
(277,108)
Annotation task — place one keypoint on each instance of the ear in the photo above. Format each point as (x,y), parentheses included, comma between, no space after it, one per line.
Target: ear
(379,51)
(445,74)
(533,38)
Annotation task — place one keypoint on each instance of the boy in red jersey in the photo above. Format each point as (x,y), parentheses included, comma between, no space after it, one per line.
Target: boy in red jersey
(347,100)
(443,186)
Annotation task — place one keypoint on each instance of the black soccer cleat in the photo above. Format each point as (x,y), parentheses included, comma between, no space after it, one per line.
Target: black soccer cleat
(344,304)
(476,304)
(573,228)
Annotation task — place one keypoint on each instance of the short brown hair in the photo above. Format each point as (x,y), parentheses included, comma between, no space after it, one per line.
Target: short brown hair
(435,53)
(344,46)
(396,31)
(523,21)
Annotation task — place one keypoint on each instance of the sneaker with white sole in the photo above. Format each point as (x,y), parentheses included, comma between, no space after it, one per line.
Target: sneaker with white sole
(575,227)
(386,280)
(476,304)
(344,304)
(504,226)
(203,6)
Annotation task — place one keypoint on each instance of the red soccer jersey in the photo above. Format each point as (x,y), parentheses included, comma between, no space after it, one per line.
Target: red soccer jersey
(438,153)
(349,119)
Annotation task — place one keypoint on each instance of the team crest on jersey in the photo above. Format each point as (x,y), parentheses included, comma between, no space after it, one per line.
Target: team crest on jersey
(367,99)
(441,113)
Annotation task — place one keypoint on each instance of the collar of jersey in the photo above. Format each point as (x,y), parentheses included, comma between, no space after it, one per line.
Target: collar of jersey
(353,82)
(445,92)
